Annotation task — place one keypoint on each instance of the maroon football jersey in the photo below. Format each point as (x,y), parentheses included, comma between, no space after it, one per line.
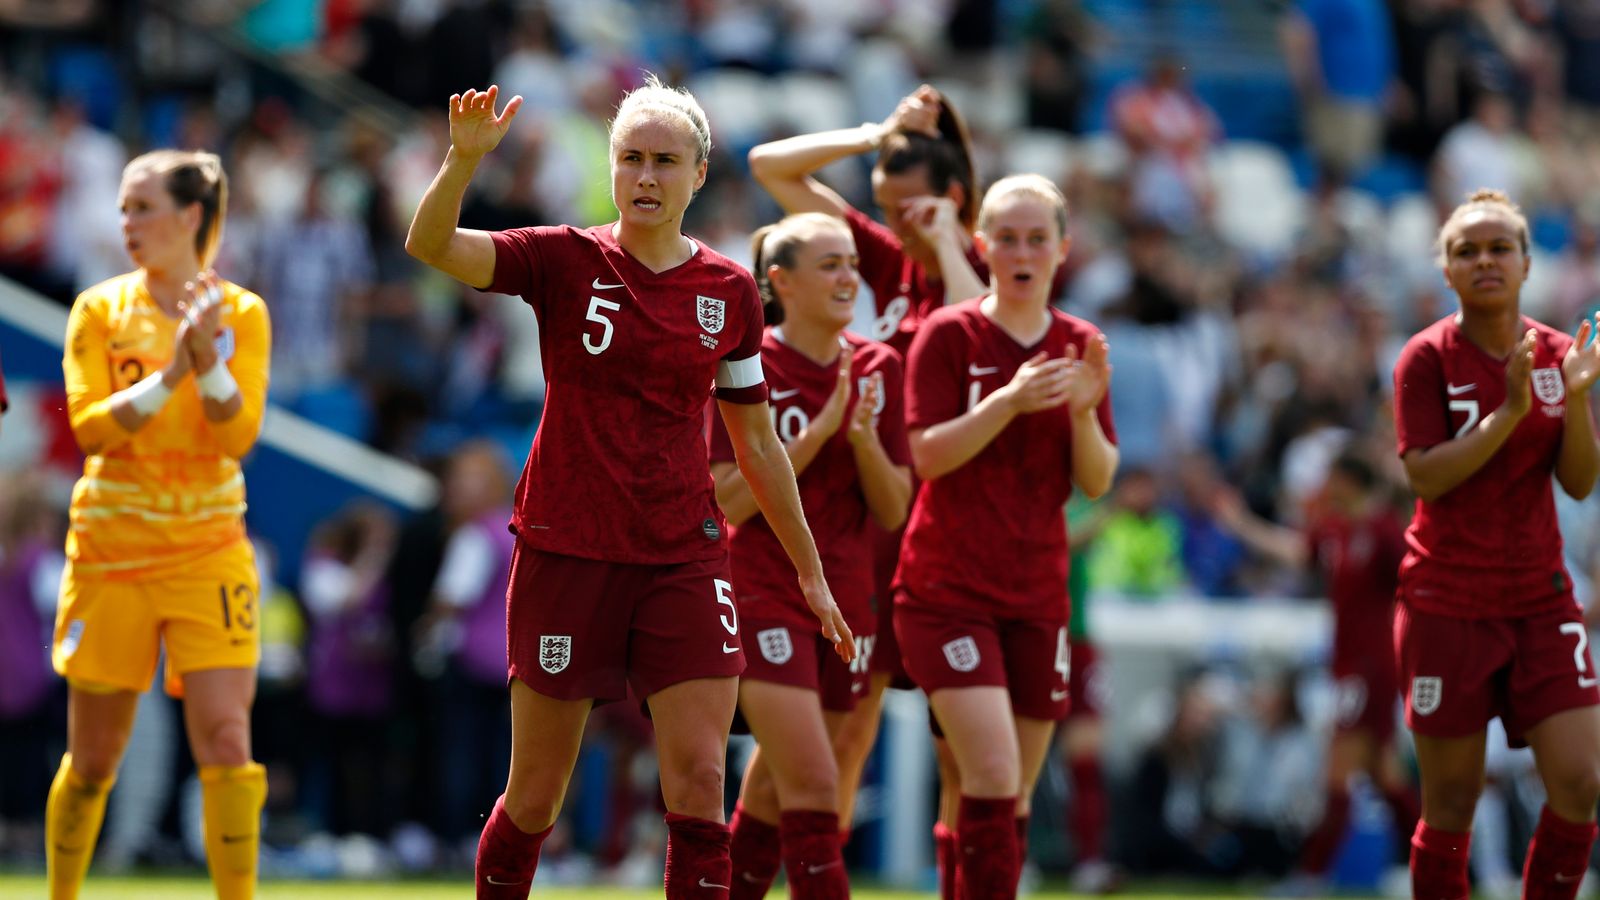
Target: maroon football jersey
(1360,564)
(1490,546)
(902,289)
(992,531)
(617,471)
(830,487)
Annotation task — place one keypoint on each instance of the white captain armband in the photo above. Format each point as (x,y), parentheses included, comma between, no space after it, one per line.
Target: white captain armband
(218,383)
(733,374)
(148,396)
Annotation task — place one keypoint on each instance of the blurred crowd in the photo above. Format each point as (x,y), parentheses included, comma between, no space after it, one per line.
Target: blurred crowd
(1255,289)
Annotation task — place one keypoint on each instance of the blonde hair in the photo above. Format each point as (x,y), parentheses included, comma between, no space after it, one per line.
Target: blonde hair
(192,176)
(1482,198)
(779,245)
(1036,186)
(657,98)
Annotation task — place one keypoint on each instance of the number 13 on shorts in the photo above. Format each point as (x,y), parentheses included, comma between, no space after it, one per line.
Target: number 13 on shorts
(238,607)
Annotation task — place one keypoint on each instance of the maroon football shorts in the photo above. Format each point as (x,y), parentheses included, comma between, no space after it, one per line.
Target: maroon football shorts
(886,651)
(803,658)
(953,648)
(1459,673)
(579,628)
(1365,691)
(1089,686)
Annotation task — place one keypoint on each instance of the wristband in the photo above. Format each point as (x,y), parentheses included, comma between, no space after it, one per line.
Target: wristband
(876,134)
(218,383)
(148,396)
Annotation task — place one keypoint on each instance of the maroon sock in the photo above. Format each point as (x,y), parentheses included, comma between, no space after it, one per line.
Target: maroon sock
(1557,858)
(755,854)
(987,832)
(1316,858)
(697,859)
(947,853)
(1439,863)
(811,855)
(507,857)
(1022,838)
(1088,814)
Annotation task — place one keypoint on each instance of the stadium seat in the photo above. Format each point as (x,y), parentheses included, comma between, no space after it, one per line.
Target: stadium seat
(1259,207)
(1052,154)
(738,103)
(810,103)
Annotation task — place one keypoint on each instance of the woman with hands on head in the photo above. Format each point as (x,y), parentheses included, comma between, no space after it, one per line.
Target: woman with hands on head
(1489,404)
(837,400)
(166,377)
(620,576)
(1008,411)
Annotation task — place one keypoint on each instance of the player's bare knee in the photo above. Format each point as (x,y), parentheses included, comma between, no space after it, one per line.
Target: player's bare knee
(1577,788)
(692,785)
(991,775)
(97,752)
(1450,806)
(531,811)
(224,743)
(814,786)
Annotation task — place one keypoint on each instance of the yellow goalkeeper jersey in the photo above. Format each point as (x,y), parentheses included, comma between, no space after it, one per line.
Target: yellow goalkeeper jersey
(154,501)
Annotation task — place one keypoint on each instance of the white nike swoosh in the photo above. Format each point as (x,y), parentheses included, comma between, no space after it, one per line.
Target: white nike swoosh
(603,287)
(1569,879)
(824,867)
(784,395)
(705,883)
(1454,389)
(726,648)
(1057,696)
(492,880)
(974,371)
(750,878)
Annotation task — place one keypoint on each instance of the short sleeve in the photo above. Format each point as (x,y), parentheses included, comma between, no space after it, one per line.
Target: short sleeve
(519,256)
(892,421)
(882,256)
(933,375)
(1420,419)
(739,376)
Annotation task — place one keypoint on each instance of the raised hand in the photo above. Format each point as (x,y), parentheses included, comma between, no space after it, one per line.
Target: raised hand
(1040,383)
(1519,373)
(202,315)
(1581,366)
(831,418)
(932,217)
(918,113)
(475,129)
(866,407)
(1091,375)
(834,627)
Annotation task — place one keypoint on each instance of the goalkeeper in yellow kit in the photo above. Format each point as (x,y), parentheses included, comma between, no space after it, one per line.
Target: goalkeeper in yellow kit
(166,375)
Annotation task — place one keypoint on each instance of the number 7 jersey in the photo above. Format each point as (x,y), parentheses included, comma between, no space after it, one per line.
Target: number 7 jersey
(617,470)
(1489,547)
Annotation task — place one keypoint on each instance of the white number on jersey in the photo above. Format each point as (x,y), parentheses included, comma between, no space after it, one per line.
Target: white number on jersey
(1470,407)
(595,315)
(789,423)
(1063,656)
(885,326)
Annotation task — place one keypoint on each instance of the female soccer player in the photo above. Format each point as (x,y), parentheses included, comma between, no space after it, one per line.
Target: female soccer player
(1007,409)
(620,576)
(838,401)
(1488,406)
(925,184)
(166,375)
(1357,541)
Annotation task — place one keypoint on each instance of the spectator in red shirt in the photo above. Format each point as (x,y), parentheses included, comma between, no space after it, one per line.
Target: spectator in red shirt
(1489,404)
(620,576)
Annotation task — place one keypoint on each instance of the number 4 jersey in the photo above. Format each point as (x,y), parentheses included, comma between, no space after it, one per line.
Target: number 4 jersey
(1489,547)
(617,471)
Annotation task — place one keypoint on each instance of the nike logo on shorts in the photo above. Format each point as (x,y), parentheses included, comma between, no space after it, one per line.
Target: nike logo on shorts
(750,878)
(729,648)
(599,287)
(1057,696)
(705,883)
(493,880)
(236,838)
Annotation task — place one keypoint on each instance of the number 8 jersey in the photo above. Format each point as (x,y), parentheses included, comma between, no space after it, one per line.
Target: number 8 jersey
(1489,547)
(617,470)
